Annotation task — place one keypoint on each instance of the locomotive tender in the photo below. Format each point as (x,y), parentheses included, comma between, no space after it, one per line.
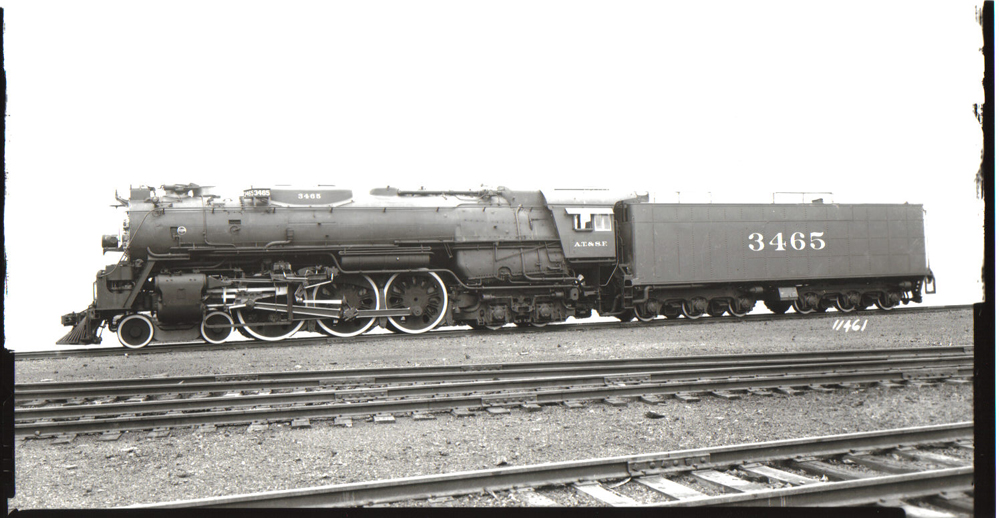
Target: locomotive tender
(279,260)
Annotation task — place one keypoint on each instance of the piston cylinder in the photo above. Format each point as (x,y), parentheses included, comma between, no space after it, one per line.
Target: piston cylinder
(179,298)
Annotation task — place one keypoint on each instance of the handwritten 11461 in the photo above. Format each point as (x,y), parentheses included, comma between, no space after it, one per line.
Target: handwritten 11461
(849,325)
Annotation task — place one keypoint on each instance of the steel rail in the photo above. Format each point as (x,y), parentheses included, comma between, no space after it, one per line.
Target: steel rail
(558,327)
(538,475)
(399,373)
(846,493)
(490,385)
(437,404)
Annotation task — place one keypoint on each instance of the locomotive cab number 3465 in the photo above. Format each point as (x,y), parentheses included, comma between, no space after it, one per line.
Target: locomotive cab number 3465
(797,241)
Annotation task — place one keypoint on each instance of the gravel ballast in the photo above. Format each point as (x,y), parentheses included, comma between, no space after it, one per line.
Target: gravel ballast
(136,469)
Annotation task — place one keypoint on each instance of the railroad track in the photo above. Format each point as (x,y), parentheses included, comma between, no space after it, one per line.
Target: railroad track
(921,469)
(157,403)
(581,326)
(438,373)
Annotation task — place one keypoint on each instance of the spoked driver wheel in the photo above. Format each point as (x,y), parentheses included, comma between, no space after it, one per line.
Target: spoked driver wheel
(424,293)
(265,325)
(358,292)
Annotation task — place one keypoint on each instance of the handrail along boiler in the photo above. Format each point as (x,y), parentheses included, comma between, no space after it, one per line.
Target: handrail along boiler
(278,260)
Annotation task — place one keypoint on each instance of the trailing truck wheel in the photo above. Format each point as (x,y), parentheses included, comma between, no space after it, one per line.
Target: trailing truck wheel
(424,293)
(135,331)
(358,292)
(219,334)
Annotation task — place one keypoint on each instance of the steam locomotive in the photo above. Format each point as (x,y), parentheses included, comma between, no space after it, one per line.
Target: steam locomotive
(278,260)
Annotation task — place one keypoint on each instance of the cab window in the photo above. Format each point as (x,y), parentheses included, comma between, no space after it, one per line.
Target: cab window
(602,221)
(587,222)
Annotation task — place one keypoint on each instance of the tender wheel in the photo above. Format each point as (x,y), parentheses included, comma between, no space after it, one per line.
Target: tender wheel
(423,292)
(354,291)
(884,302)
(691,310)
(801,307)
(219,334)
(739,307)
(844,304)
(718,307)
(263,325)
(642,314)
(135,331)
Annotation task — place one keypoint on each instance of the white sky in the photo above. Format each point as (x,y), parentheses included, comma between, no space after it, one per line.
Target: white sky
(870,100)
